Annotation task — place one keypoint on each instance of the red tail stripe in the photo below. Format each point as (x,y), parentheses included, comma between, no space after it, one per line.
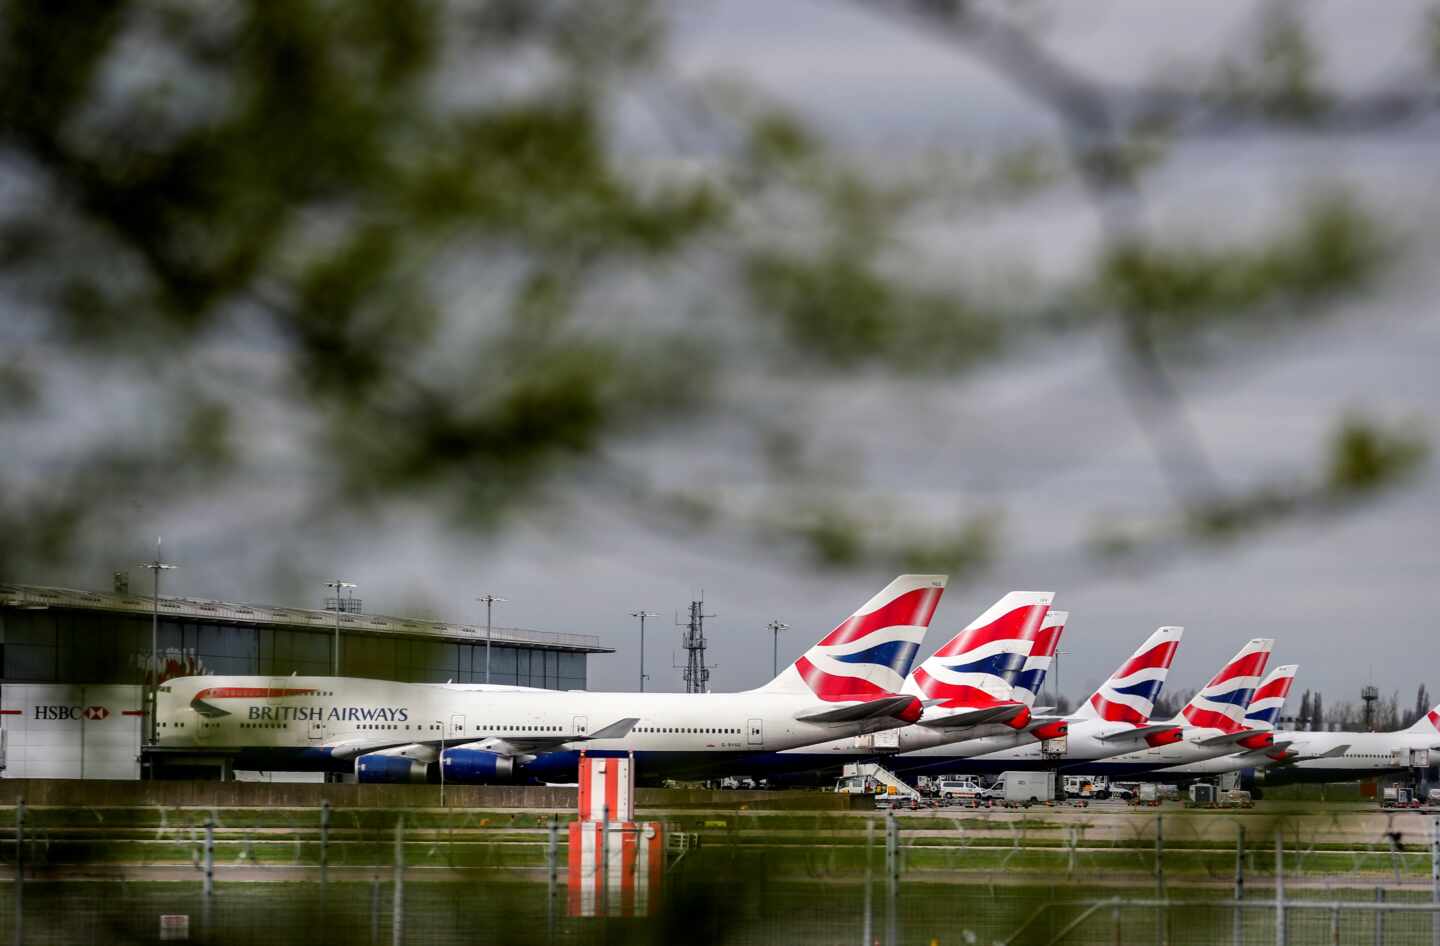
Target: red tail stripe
(955,694)
(1161,656)
(1118,712)
(1019,624)
(1165,737)
(1278,687)
(834,688)
(1250,665)
(1210,719)
(1434,717)
(912,609)
(1047,641)
(1260,740)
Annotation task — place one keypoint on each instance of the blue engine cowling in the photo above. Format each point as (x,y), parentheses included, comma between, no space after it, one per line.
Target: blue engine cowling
(389,769)
(476,766)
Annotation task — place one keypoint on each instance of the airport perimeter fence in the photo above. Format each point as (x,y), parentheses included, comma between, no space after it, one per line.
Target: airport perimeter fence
(438,876)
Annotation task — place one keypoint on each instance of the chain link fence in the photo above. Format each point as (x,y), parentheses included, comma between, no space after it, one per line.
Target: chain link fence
(1055,875)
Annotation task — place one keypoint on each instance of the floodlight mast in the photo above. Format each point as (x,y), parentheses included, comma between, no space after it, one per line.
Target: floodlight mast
(489,600)
(642,615)
(339,584)
(153,677)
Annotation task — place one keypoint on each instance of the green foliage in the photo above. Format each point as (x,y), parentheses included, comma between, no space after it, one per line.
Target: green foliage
(1334,247)
(1364,456)
(1281,77)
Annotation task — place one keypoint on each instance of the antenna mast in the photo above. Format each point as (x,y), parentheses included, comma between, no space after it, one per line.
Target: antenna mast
(692,638)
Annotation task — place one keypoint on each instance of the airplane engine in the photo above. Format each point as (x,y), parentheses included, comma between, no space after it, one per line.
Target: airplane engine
(476,766)
(389,768)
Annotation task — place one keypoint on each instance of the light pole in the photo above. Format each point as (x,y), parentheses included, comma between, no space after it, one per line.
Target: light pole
(642,615)
(1058,695)
(442,763)
(489,604)
(775,628)
(156,567)
(339,585)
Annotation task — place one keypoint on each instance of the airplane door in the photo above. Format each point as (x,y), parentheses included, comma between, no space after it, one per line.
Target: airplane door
(756,730)
(457,726)
(581,723)
(317,730)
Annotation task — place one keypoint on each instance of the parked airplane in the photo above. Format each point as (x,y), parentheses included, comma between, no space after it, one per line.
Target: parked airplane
(848,683)
(968,684)
(1114,720)
(1213,721)
(1262,713)
(1349,756)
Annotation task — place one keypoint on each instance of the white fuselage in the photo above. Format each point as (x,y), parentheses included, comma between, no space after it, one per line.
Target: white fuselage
(1189,750)
(278,715)
(1365,753)
(1020,751)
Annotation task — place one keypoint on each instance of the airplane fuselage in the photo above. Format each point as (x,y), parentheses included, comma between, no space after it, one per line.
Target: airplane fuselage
(324,723)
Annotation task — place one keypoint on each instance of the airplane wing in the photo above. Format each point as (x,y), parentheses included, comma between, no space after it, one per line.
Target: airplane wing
(1137,733)
(851,712)
(967,718)
(509,745)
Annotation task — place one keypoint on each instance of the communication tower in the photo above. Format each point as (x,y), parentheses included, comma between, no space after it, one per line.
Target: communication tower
(692,638)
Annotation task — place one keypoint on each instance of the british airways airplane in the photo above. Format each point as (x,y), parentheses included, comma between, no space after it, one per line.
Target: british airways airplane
(967,684)
(1263,711)
(1114,720)
(1213,721)
(383,731)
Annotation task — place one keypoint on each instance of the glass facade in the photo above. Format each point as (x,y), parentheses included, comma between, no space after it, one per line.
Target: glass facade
(58,645)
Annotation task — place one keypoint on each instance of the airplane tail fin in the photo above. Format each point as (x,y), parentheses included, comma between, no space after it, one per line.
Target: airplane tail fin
(1221,703)
(977,667)
(1130,693)
(869,654)
(1269,699)
(1428,724)
(1042,654)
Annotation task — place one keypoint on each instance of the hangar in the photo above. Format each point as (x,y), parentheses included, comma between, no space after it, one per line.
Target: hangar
(74,664)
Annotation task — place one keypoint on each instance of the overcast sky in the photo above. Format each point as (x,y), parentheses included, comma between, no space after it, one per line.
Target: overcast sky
(1350,599)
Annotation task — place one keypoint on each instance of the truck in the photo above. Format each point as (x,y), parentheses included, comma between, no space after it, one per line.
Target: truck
(1023,787)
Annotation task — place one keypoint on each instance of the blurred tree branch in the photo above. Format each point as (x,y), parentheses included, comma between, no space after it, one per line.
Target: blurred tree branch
(400,239)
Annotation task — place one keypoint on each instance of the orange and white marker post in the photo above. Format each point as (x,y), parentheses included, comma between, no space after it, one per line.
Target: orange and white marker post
(615,862)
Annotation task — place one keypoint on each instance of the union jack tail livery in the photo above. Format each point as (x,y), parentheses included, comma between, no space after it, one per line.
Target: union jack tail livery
(1266,704)
(1429,723)
(869,654)
(1221,704)
(1042,654)
(1130,693)
(977,667)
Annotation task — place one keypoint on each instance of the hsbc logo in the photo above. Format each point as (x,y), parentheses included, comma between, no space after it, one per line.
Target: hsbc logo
(64,713)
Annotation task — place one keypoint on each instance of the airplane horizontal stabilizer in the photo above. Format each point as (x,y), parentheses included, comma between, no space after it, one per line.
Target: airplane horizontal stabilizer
(1232,738)
(1139,732)
(852,712)
(967,718)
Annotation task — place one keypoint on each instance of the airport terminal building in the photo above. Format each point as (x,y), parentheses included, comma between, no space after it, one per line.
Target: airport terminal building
(73,663)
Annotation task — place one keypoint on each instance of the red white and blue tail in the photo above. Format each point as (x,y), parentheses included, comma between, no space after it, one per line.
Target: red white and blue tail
(978,666)
(1221,704)
(869,654)
(1130,693)
(1428,724)
(1042,654)
(1269,699)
